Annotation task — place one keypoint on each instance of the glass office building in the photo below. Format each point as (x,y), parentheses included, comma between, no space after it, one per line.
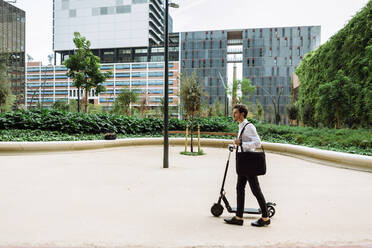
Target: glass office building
(12,46)
(268,58)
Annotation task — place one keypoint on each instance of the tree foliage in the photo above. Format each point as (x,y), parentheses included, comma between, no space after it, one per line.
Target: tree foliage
(123,101)
(84,69)
(246,88)
(191,98)
(6,97)
(336,79)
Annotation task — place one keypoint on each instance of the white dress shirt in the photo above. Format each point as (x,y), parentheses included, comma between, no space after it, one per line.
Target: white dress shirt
(250,138)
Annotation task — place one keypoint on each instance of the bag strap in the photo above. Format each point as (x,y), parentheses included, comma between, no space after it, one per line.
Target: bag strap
(241,142)
(240,137)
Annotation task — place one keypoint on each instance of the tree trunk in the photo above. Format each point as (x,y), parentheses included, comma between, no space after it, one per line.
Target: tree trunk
(337,118)
(192,130)
(78,91)
(86,100)
(128,110)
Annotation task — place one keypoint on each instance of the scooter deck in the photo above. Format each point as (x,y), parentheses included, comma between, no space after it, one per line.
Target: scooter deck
(248,210)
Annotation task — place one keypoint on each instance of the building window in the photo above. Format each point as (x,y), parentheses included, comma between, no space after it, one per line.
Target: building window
(159,50)
(95,11)
(261,53)
(248,61)
(141,50)
(283,32)
(108,56)
(249,43)
(140,59)
(111,10)
(123,9)
(104,10)
(124,51)
(65,4)
(252,61)
(72,13)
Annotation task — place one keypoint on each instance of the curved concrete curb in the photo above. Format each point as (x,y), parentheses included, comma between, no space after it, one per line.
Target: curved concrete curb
(332,158)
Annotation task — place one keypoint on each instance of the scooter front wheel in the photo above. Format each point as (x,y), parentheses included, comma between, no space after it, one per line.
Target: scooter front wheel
(217,209)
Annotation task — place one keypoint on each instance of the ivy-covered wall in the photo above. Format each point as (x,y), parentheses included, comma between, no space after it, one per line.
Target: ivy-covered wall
(336,79)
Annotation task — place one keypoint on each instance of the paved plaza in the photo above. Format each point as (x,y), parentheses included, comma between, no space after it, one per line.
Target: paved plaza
(121,197)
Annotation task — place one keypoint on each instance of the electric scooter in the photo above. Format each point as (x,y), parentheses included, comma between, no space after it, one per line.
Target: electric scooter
(217,208)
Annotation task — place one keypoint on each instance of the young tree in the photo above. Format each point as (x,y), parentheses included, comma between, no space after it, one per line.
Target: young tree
(292,111)
(143,108)
(84,69)
(60,106)
(6,97)
(191,98)
(260,111)
(123,101)
(4,83)
(246,88)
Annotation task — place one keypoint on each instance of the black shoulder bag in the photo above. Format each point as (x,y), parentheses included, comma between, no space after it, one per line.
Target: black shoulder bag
(250,163)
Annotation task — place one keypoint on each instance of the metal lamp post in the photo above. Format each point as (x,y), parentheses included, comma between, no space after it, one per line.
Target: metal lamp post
(166,75)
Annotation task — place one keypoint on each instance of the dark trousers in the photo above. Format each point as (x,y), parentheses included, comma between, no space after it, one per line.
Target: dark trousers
(256,190)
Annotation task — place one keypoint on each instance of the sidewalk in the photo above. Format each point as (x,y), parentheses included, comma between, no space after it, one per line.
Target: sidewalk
(121,197)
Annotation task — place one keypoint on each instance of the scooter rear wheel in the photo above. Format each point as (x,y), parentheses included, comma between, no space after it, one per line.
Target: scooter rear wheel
(217,209)
(271,211)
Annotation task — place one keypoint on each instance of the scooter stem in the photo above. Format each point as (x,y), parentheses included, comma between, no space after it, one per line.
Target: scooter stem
(224,176)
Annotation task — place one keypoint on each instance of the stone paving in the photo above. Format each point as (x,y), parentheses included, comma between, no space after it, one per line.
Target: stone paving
(122,197)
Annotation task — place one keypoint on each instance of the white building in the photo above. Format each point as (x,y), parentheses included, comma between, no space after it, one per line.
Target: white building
(108,24)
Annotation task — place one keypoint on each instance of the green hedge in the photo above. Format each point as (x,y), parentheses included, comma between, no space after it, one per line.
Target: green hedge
(75,123)
(48,125)
(345,140)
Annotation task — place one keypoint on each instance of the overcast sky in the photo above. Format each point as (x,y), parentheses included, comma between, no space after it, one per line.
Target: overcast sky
(195,15)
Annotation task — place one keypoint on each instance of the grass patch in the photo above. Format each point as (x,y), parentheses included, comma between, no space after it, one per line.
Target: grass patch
(193,153)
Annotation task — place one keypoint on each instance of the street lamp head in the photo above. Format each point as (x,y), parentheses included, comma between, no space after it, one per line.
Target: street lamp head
(174,5)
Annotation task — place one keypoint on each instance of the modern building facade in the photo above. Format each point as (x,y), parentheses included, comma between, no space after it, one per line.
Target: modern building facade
(130,33)
(268,57)
(47,85)
(12,46)
(114,27)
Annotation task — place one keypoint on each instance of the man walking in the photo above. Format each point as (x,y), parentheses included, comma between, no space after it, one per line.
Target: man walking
(249,141)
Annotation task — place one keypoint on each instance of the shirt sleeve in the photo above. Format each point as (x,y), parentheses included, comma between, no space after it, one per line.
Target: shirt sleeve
(250,138)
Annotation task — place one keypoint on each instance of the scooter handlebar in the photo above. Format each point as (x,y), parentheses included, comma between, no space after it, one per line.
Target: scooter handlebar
(231,147)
